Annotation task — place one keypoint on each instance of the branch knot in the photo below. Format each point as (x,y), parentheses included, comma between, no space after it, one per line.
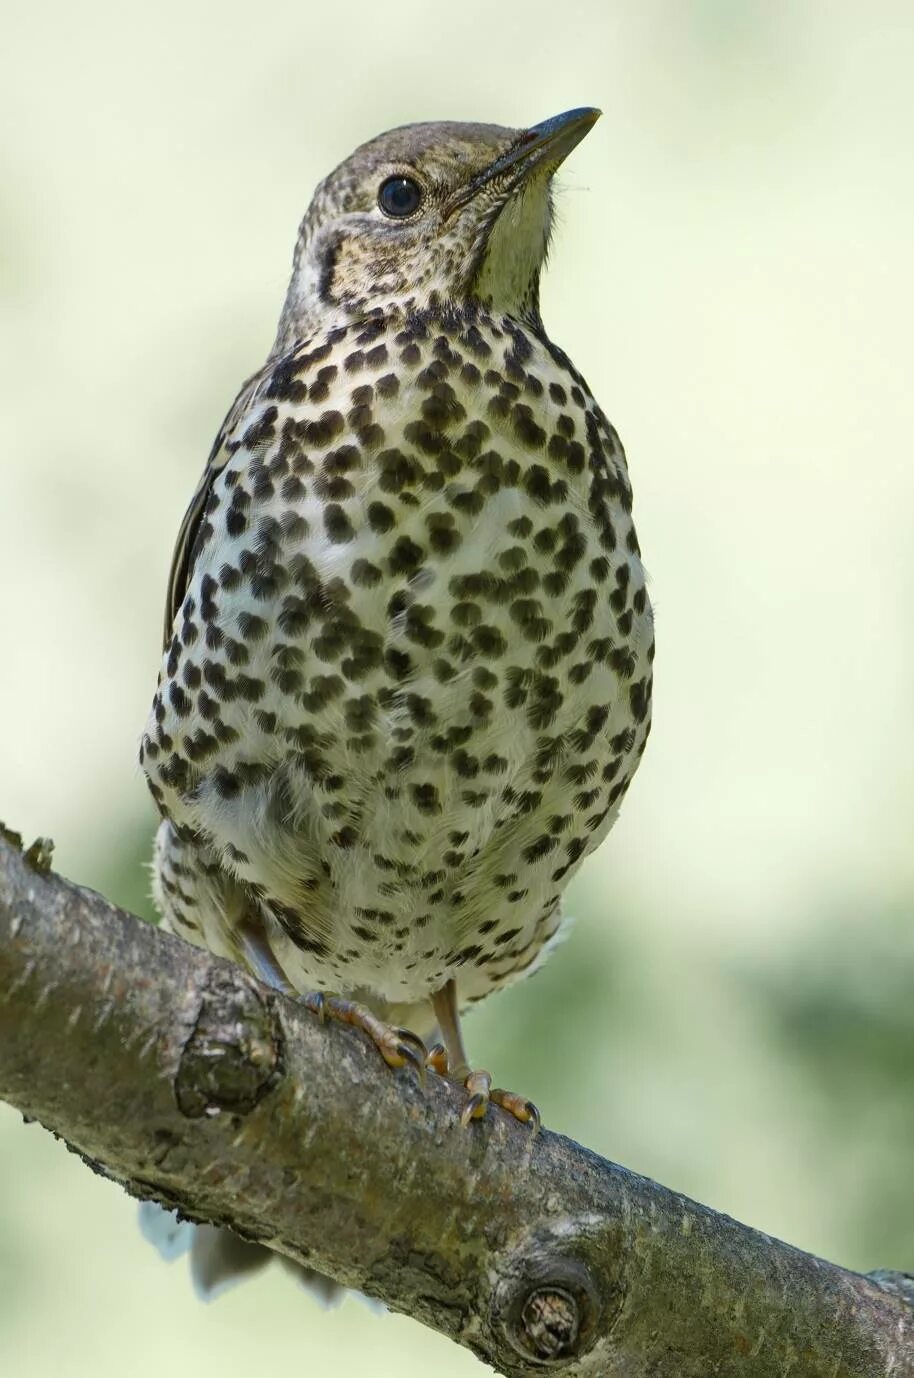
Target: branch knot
(554,1293)
(233,1056)
(551,1320)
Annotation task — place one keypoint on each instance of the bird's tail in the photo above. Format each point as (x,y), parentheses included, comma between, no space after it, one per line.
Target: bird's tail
(219,1259)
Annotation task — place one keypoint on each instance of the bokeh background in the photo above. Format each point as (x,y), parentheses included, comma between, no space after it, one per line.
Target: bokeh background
(733,1013)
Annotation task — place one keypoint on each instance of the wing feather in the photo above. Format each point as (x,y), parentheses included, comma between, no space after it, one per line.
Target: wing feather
(182,561)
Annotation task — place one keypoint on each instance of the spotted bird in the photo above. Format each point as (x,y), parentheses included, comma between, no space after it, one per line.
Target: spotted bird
(407,667)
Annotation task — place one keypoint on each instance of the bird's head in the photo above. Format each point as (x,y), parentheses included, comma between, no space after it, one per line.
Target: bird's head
(431,212)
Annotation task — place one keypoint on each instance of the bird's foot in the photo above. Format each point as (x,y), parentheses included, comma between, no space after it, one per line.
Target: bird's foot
(481,1092)
(398,1047)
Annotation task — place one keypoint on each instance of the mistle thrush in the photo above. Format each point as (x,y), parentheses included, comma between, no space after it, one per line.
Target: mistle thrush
(407,668)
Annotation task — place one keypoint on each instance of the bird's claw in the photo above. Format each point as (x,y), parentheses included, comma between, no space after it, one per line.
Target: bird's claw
(436,1058)
(522,1109)
(398,1047)
(478,1085)
(402,1048)
(482,1093)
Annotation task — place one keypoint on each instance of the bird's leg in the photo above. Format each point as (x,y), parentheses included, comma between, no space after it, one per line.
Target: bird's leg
(398,1047)
(451,1061)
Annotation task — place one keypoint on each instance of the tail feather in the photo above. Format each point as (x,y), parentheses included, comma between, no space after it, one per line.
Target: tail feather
(219,1259)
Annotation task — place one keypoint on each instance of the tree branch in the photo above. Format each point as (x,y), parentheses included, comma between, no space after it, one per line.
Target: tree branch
(193,1085)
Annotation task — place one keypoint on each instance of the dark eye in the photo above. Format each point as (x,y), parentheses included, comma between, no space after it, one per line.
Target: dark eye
(400,196)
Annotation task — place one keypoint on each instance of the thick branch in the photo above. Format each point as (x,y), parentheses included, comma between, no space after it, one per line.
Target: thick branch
(196,1086)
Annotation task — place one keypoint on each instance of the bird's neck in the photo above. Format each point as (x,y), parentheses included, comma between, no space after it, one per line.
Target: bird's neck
(304,317)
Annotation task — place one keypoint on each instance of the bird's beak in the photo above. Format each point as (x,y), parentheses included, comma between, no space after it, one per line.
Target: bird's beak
(549,142)
(544,145)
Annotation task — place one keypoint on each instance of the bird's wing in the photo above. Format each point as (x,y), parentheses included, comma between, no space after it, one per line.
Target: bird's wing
(182,561)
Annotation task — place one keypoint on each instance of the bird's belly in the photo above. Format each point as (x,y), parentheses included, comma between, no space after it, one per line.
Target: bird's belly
(412,774)
(404,717)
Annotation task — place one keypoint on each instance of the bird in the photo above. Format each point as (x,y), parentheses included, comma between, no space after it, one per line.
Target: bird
(408,646)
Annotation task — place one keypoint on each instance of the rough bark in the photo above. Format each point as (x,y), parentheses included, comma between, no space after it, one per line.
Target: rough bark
(193,1085)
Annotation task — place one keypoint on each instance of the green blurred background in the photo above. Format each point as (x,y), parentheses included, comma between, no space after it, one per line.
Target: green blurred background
(733,1012)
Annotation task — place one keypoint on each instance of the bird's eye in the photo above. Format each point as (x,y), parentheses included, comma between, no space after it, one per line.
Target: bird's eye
(399,197)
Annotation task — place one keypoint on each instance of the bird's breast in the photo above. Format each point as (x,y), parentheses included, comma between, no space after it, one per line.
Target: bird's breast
(411,675)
